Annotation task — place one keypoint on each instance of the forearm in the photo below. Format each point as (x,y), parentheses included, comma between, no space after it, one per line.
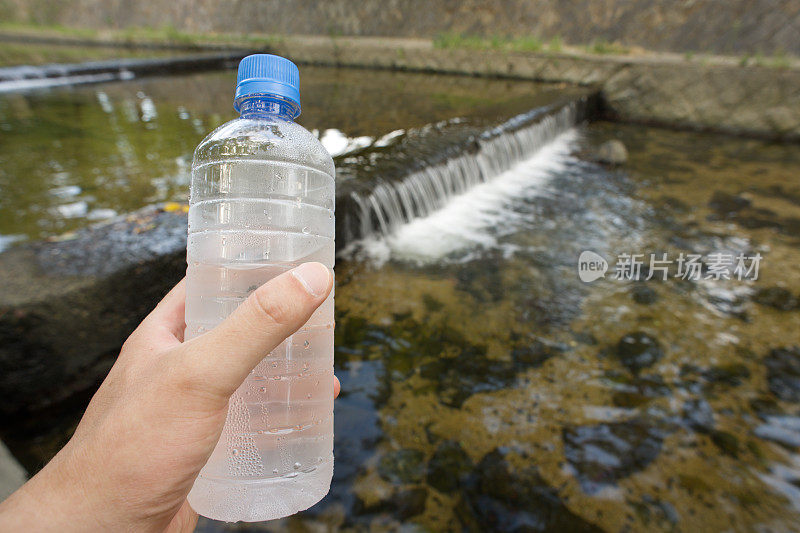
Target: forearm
(50,501)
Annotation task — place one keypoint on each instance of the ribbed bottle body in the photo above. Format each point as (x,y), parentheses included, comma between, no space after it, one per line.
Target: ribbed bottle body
(262,202)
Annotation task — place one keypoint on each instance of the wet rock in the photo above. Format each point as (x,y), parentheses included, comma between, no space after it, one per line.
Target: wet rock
(402,466)
(641,390)
(638,350)
(765,406)
(448,466)
(699,415)
(728,205)
(612,152)
(602,454)
(642,294)
(585,337)
(776,297)
(66,307)
(783,373)
(656,512)
(731,375)
(726,442)
(402,504)
(729,301)
(501,497)
(536,352)
(410,503)
(457,378)
(481,278)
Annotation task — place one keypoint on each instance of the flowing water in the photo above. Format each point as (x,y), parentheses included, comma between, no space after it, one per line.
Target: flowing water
(485,387)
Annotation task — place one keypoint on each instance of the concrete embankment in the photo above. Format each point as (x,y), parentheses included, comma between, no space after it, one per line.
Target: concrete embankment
(720,95)
(715,93)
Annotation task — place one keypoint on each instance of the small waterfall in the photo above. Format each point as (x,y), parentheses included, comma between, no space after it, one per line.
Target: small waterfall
(390,204)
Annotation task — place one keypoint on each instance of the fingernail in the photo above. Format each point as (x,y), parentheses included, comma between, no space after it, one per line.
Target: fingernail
(314,277)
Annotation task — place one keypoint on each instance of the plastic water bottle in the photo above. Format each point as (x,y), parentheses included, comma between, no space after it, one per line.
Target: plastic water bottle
(262,200)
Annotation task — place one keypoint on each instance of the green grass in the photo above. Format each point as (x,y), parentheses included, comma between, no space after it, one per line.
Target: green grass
(528,43)
(555,44)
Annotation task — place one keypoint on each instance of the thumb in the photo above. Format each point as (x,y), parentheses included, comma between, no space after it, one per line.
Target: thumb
(220,360)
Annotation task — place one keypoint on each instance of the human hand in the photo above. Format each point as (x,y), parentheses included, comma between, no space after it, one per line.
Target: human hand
(156,418)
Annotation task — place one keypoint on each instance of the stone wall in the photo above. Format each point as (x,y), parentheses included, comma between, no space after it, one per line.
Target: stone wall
(735,27)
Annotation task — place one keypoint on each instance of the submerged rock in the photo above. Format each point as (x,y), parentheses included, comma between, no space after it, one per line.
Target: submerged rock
(402,466)
(602,454)
(402,504)
(699,415)
(612,152)
(638,350)
(732,374)
(501,497)
(727,205)
(458,378)
(640,391)
(776,297)
(783,373)
(642,294)
(535,353)
(726,442)
(448,466)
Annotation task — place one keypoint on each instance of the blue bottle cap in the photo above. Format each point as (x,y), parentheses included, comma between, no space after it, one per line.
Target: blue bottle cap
(267,74)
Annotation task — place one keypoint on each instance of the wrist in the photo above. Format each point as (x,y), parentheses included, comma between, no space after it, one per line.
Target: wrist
(52,500)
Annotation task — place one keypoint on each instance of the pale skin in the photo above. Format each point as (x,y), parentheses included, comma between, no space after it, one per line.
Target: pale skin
(156,418)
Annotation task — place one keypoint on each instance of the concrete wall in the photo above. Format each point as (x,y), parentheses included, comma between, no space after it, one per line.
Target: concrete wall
(724,97)
(734,27)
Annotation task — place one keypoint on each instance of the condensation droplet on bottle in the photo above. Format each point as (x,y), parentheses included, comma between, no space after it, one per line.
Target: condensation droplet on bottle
(297,466)
(305,230)
(262,390)
(234,451)
(274,470)
(308,395)
(306,344)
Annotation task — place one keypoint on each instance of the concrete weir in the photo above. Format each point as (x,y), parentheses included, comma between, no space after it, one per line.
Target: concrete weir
(69,303)
(26,77)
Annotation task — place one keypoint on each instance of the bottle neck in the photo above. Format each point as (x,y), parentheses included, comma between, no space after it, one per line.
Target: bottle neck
(266,106)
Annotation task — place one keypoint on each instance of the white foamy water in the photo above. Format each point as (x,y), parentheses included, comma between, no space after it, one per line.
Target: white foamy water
(466,220)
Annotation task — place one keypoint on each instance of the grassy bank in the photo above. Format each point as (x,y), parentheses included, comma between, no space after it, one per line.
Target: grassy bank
(170,37)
